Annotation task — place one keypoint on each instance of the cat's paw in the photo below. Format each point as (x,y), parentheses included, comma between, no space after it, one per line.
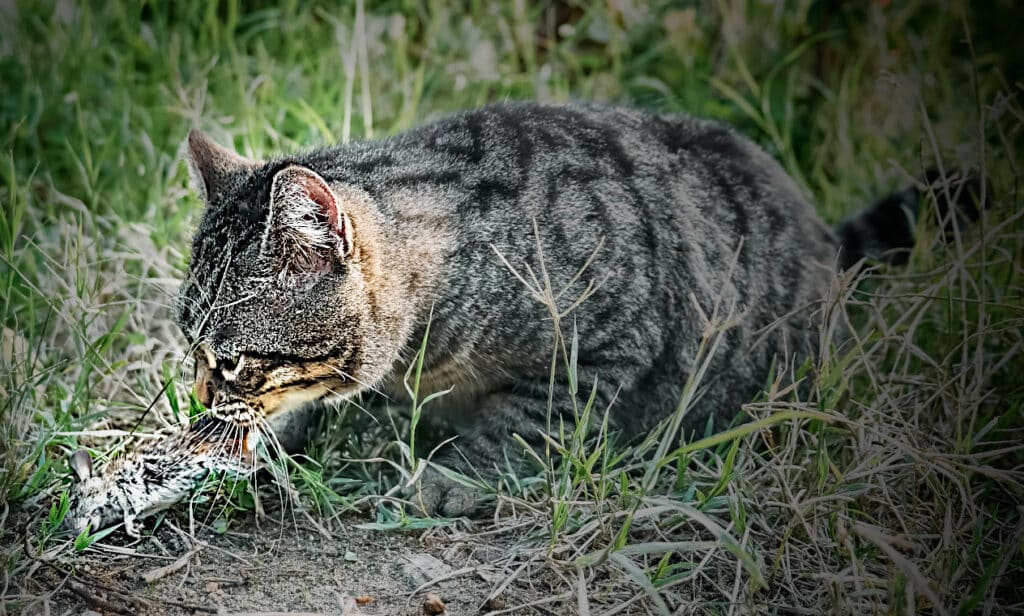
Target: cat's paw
(438,495)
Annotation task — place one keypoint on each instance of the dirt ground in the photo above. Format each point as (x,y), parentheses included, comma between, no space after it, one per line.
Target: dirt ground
(290,568)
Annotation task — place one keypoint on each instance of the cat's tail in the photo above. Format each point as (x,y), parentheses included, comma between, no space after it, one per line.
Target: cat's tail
(884,231)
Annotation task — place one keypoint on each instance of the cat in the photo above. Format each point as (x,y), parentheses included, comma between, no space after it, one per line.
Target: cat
(314,276)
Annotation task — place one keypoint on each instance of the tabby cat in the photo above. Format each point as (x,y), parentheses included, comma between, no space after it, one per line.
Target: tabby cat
(314,276)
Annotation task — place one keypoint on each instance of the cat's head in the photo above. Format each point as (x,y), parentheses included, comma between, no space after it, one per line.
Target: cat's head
(282,302)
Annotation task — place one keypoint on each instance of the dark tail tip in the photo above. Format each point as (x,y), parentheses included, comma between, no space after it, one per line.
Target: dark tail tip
(963,191)
(884,231)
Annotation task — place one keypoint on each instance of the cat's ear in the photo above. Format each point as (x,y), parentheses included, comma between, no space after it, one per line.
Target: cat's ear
(209,164)
(308,224)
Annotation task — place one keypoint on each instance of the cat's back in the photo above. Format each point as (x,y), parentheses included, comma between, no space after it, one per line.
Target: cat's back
(522,153)
(649,186)
(670,199)
(668,189)
(519,158)
(663,210)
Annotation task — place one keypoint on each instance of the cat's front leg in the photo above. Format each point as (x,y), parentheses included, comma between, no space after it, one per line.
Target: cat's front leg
(484,442)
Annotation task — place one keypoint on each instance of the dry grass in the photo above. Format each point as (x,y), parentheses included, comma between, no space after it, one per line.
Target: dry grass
(895,486)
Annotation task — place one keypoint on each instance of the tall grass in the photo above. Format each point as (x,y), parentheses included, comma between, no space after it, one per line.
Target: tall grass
(891,484)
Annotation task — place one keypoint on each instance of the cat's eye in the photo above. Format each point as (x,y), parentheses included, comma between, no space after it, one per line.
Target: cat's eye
(230,368)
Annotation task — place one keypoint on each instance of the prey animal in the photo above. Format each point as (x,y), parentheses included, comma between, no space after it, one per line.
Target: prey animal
(314,277)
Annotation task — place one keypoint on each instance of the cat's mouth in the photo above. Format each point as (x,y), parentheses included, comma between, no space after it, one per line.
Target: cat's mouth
(250,387)
(157,474)
(236,412)
(223,439)
(277,402)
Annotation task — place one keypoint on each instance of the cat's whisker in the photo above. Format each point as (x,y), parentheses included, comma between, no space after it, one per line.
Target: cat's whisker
(240,300)
(234,455)
(249,458)
(276,464)
(222,459)
(195,439)
(270,438)
(217,491)
(363,384)
(191,442)
(353,402)
(199,332)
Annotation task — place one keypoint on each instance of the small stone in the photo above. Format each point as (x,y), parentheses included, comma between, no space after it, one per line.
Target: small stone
(364,599)
(212,587)
(494,604)
(486,553)
(90,613)
(422,568)
(433,605)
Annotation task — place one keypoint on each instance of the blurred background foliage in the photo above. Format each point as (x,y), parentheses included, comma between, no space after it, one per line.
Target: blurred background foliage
(834,89)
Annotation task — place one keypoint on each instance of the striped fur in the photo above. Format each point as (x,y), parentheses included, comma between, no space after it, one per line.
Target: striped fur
(670,199)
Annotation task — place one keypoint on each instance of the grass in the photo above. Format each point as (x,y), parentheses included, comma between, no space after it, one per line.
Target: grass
(891,484)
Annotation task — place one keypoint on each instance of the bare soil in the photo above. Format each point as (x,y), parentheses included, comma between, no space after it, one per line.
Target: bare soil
(292,568)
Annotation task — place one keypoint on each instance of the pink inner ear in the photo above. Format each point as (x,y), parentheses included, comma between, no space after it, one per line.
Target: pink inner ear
(322,196)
